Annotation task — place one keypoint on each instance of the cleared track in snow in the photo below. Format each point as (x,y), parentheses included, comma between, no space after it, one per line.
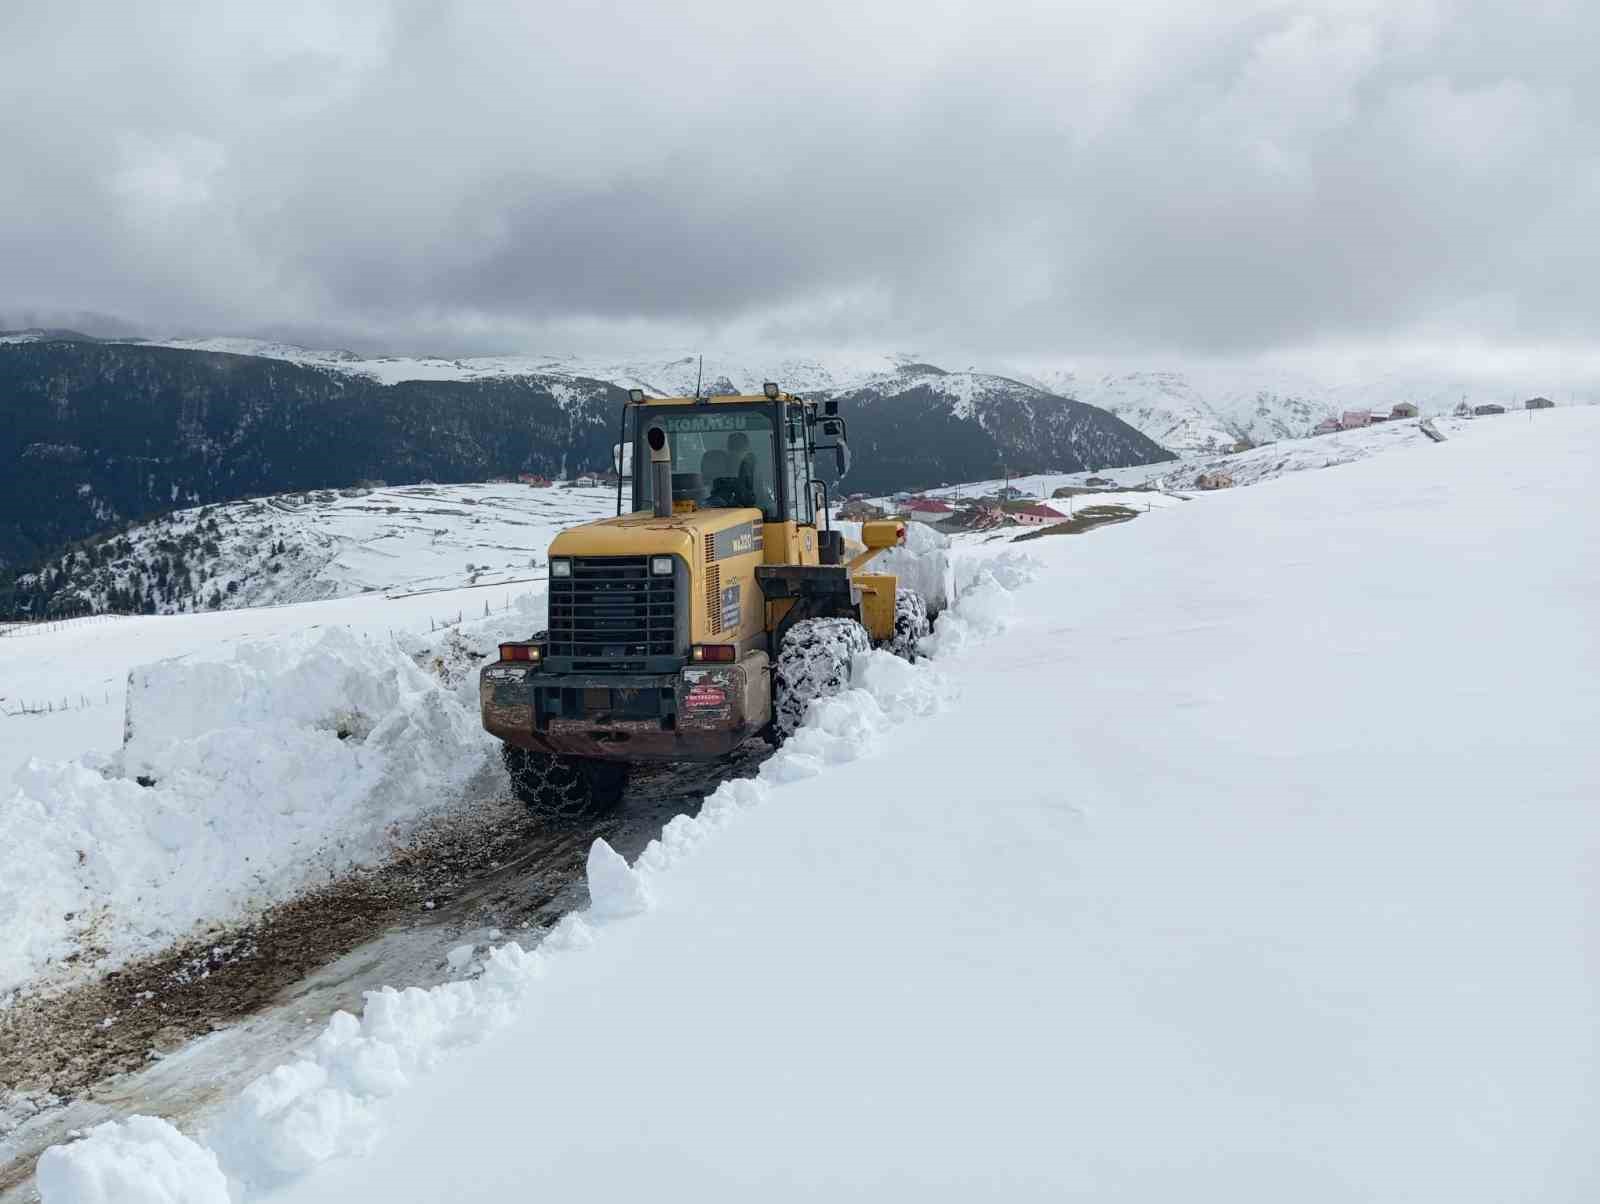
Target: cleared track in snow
(222,1011)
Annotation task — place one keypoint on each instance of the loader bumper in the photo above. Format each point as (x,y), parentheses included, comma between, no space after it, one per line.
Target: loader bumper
(699,713)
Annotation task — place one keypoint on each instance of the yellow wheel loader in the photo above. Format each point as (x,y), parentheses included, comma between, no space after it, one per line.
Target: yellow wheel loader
(716,611)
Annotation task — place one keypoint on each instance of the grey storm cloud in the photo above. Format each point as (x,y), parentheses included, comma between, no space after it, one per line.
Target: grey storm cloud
(1017,177)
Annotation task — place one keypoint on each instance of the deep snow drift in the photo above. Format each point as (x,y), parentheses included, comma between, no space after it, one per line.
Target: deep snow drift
(1245,854)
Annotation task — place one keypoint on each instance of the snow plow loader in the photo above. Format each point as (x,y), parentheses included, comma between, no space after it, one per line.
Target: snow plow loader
(715,611)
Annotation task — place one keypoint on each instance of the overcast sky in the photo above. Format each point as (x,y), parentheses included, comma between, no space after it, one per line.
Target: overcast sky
(1149,178)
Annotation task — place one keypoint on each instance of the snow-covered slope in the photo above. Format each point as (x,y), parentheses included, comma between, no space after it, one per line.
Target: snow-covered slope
(1221,855)
(1207,411)
(1319,451)
(1250,467)
(297,547)
(1164,405)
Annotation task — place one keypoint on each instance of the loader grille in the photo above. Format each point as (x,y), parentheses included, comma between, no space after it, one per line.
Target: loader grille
(612,611)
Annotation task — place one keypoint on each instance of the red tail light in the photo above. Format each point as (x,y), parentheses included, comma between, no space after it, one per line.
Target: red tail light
(519,652)
(721,654)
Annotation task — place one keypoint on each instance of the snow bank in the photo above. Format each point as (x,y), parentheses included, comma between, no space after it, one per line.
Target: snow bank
(325,1105)
(242,780)
(986,607)
(321,1106)
(140,1161)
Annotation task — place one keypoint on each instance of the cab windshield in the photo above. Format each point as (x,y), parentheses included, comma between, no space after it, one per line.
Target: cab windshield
(720,458)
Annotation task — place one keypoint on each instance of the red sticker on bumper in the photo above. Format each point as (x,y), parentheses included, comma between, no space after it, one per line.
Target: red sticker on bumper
(705,696)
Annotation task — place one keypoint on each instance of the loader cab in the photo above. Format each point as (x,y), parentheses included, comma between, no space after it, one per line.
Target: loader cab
(723,457)
(746,452)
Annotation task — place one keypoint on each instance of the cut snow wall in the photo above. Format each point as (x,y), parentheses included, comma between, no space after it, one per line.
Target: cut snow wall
(290,760)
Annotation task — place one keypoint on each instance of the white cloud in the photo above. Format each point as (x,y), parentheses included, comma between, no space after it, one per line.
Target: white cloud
(1150,176)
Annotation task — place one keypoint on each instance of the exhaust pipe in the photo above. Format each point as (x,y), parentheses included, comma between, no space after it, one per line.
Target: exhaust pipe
(660,470)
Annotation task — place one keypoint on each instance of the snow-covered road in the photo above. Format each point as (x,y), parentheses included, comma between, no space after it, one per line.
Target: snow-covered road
(1247,852)
(490,872)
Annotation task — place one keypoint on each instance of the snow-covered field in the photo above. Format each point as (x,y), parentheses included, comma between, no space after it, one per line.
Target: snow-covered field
(1242,852)
(1246,468)
(299,547)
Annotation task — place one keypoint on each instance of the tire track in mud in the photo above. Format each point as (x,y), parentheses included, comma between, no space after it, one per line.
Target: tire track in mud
(174,1033)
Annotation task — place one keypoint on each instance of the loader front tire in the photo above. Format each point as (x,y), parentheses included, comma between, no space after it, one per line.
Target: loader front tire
(813,663)
(564,788)
(910,623)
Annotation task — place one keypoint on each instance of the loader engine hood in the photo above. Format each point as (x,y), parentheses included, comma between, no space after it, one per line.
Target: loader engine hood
(687,535)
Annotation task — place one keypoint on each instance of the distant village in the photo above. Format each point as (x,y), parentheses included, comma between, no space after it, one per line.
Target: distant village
(1352,420)
(587,480)
(1004,507)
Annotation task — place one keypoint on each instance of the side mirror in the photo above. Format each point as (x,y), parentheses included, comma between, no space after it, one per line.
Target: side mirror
(831,426)
(841,457)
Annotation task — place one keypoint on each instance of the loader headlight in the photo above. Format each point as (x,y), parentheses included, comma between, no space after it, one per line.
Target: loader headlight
(561,568)
(661,566)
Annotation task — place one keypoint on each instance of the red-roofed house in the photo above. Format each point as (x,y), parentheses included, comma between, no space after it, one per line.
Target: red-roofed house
(927,510)
(1355,419)
(1038,516)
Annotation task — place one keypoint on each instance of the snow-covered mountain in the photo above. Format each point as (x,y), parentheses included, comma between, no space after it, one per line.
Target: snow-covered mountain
(663,375)
(1200,410)
(100,433)
(923,418)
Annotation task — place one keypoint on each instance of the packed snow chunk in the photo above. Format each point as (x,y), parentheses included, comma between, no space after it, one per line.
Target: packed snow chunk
(142,1160)
(615,887)
(288,1121)
(571,933)
(242,781)
(459,958)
